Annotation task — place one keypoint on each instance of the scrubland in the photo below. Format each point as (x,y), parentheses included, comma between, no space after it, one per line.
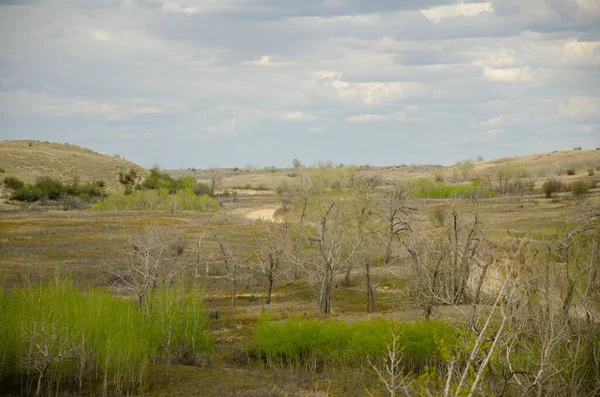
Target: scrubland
(465,280)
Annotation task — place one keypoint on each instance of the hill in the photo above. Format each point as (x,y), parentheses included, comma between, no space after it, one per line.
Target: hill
(27,160)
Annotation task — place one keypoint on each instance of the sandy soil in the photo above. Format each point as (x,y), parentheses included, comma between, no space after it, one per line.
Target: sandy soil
(265,214)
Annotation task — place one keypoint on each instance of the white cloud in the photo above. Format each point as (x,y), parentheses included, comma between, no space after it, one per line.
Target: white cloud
(492,134)
(580,107)
(25,102)
(365,118)
(586,52)
(371,93)
(436,14)
(503,120)
(298,116)
(508,75)
(264,60)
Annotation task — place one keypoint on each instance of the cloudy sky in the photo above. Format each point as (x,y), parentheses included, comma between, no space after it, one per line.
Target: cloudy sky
(187,83)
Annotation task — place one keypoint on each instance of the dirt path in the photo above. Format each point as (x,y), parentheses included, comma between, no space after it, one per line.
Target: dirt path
(265,214)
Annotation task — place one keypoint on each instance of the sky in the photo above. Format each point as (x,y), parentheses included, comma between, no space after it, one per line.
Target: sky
(198,83)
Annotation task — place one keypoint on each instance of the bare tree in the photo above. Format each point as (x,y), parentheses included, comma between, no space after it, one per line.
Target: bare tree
(215,176)
(390,373)
(396,216)
(234,264)
(271,263)
(362,223)
(153,256)
(323,251)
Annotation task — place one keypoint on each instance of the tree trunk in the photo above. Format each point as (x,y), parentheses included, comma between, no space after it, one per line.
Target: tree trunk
(269,289)
(347,277)
(325,293)
(233,292)
(370,290)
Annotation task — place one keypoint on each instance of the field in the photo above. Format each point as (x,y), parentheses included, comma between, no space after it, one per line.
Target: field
(222,251)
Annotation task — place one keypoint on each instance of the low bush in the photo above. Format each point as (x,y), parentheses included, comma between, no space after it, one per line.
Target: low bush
(52,189)
(425,188)
(590,172)
(579,189)
(14,183)
(158,200)
(551,187)
(60,335)
(570,171)
(302,342)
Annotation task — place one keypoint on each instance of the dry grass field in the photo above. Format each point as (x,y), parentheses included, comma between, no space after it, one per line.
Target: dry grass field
(84,244)
(27,160)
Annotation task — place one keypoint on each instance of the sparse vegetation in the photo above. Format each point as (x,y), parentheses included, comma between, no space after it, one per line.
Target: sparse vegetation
(579,189)
(570,171)
(551,187)
(46,188)
(13,183)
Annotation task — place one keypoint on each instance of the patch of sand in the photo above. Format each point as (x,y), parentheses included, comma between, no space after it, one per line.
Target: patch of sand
(265,214)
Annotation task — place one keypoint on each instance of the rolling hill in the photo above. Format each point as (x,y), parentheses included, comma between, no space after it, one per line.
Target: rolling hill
(27,160)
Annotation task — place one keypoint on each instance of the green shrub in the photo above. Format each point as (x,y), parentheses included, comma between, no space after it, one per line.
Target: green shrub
(306,342)
(552,186)
(90,337)
(158,200)
(579,189)
(425,188)
(52,189)
(570,171)
(14,183)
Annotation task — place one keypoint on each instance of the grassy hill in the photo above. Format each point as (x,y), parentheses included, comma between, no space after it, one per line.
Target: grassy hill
(28,160)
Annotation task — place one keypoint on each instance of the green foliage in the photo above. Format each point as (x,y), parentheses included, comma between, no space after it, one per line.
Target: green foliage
(425,188)
(53,189)
(158,200)
(92,337)
(271,168)
(307,342)
(579,189)
(552,186)
(14,183)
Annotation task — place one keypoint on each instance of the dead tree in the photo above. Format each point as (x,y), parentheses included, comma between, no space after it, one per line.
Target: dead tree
(271,263)
(153,257)
(235,264)
(395,214)
(362,224)
(322,251)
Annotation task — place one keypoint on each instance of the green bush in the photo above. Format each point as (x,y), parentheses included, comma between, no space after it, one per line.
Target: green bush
(579,189)
(14,183)
(90,337)
(52,189)
(306,342)
(552,186)
(158,200)
(425,188)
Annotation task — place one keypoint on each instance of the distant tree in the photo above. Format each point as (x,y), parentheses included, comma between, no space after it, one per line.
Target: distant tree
(129,180)
(152,258)
(552,186)
(216,180)
(297,164)
(579,189)
(480,159)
